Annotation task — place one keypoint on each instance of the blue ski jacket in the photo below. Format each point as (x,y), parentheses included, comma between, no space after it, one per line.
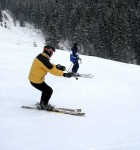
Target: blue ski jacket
(74,56)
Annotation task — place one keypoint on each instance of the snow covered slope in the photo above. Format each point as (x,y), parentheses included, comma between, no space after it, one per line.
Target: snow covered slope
(111,101)
(27,36)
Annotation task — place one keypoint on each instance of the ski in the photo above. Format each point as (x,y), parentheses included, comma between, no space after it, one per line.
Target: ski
(83,75)
(67,109)
(56,110)
(72,110)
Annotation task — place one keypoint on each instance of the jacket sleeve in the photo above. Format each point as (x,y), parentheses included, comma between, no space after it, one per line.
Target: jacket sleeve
(55,71)
(49,67)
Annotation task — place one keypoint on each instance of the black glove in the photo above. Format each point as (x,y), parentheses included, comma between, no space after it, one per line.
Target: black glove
(68,75)
(59,67)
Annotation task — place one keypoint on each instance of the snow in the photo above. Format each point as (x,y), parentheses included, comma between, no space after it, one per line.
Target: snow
(111,100)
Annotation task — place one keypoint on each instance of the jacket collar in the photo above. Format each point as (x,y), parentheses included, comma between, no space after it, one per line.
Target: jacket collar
(45,55)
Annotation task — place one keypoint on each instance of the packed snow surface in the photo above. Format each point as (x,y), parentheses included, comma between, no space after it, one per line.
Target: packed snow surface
(111,100)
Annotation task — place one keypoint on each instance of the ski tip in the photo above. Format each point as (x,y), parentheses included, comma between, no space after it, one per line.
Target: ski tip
(82,114)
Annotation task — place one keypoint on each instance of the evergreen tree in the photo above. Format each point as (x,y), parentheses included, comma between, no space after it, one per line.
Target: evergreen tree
(0,13)
(104,28)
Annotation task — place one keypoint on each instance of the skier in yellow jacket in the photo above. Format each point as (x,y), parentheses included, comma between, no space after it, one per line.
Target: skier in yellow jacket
(39,69)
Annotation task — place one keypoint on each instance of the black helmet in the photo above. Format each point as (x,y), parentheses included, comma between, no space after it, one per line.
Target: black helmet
(75,44)
(49,50)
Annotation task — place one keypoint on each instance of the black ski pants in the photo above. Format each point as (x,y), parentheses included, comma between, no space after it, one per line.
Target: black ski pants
(45,89)
(75,67)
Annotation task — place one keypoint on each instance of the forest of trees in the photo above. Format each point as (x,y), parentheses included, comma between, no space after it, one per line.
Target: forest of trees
(104,28)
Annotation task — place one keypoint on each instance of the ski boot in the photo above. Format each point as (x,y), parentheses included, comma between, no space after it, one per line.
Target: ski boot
(43,106)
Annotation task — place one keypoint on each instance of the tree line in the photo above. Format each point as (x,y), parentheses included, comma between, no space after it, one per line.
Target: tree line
(104,28)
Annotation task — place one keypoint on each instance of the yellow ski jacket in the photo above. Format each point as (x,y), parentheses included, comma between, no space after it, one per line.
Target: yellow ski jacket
(40,67)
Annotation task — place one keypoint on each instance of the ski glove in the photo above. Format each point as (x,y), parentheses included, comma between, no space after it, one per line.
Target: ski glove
(59,67)
(68,75)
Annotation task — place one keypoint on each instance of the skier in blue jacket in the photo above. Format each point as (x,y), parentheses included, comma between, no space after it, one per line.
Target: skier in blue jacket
(74,57)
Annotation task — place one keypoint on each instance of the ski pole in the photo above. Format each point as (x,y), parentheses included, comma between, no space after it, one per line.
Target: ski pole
(69,70)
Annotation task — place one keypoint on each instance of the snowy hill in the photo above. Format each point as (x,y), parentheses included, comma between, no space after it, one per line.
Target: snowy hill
(19,34)
(111,100)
